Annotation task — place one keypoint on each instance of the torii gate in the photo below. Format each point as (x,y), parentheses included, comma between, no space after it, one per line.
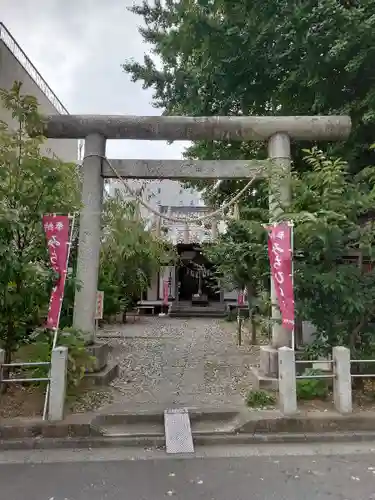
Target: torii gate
(278,131)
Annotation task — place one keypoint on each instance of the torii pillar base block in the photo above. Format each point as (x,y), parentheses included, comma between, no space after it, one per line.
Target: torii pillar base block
(266,375)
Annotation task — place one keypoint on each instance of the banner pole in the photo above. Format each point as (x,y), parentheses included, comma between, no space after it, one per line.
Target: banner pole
(56,330)
(291,224)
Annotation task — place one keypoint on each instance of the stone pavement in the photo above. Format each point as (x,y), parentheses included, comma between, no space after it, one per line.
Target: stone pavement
(174,362)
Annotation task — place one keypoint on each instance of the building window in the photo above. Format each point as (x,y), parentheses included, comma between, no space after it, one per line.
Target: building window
(159,190)
(192,203)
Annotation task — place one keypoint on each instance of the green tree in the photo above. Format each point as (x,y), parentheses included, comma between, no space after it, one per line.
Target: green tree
(268,57)
(334,233)
(130,255)
(31,184)
(240,258)
(263,57)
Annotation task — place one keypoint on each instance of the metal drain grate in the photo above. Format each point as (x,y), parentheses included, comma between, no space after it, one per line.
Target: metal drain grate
(178,437)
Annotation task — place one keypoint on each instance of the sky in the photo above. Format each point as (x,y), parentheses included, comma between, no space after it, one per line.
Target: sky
(78,46)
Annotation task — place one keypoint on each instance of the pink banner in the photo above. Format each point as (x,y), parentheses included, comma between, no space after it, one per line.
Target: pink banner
(56,228)
(240,299)
(165,292)
(280,255)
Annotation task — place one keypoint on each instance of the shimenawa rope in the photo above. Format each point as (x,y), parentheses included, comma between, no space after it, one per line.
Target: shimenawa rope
(225,205)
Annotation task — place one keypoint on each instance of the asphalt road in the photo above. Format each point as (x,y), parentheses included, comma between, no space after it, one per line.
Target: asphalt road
(340,472)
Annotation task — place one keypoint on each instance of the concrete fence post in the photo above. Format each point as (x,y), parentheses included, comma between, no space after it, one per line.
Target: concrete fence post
(59,366)
(287,381)
(342,382)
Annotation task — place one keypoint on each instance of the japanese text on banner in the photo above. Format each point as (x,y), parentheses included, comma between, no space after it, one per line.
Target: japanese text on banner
(56,228)
(99,304)
(280,255)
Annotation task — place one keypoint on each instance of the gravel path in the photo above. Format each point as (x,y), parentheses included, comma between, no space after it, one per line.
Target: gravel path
(167,361)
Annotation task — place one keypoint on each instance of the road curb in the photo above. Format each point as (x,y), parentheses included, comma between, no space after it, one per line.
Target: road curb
(247,427)
(305,423)
(158,442)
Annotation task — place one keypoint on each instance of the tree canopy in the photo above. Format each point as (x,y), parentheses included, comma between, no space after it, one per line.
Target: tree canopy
(262,57)
(267,57)
(31,185)
(334,237)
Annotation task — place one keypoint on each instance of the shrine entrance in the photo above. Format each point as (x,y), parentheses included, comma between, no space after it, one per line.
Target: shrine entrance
(278,131)
(188,282)
(196,276)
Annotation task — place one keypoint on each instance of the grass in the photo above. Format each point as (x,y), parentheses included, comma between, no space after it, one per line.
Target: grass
(260,399)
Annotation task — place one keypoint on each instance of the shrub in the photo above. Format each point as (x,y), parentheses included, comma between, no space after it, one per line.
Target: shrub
(312,388)
(260,399)
(79,360)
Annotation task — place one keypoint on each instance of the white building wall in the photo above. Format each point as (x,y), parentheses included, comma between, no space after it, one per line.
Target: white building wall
(152,292)
(159,193)
(12,70)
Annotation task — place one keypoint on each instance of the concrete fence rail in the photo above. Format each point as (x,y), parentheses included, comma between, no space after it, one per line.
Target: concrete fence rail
(57,379)
(341,376)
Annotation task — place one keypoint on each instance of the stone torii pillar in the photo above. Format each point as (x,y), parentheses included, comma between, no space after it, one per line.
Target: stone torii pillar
(280,197)
(89,236)
(96,129)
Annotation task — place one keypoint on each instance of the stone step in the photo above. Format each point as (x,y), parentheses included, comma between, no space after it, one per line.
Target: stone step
(144,431)
(141,424)
(127,430)
(198,310)
(192,316)
(196,314)
(188,305)
(196,306)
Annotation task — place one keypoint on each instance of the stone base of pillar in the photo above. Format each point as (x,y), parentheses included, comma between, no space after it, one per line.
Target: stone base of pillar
(103,377)
(269,361)
(103,372)
(100,352)
(266,375)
